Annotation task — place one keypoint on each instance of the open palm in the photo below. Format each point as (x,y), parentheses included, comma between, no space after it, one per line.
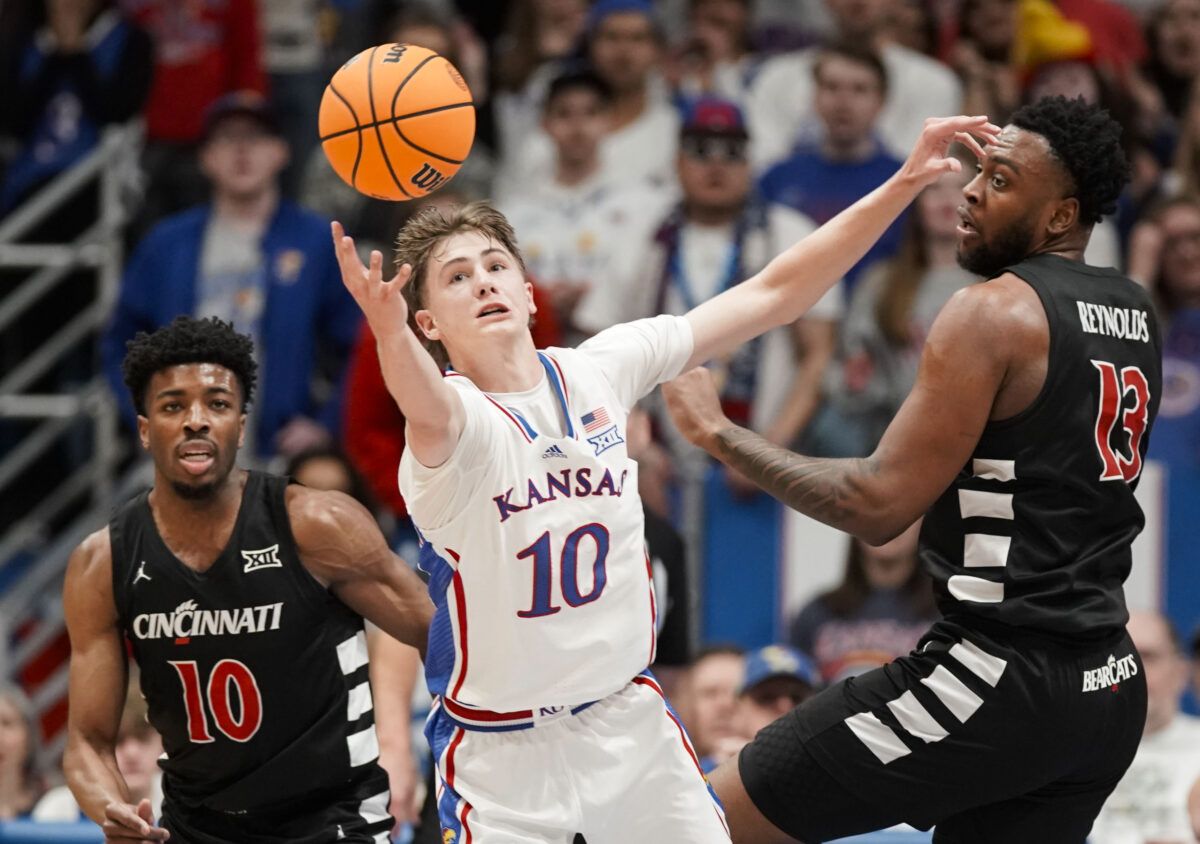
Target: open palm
(381,301)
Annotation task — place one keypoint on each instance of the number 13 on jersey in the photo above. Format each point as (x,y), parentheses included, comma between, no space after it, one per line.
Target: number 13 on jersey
(1114,385)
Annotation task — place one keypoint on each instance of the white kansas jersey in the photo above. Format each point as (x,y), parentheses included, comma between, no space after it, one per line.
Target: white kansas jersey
(533,532)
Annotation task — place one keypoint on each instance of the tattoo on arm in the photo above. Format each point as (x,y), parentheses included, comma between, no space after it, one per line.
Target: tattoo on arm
(826,489)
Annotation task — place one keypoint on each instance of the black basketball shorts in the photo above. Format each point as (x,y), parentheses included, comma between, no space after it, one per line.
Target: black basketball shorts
(988,741)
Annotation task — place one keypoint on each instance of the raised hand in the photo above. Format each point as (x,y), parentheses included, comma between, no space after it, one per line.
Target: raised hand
(929,158)
(381,301)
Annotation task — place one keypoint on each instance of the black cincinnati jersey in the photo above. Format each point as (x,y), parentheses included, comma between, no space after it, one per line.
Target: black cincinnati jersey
(1036,530)
(256,677)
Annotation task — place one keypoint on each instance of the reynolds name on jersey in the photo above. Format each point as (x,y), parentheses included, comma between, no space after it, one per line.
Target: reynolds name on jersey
(1122,323)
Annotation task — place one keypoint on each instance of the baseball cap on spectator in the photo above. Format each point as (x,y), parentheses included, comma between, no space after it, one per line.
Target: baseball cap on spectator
(775,661)
(242,104)
(601,9)
(712,116)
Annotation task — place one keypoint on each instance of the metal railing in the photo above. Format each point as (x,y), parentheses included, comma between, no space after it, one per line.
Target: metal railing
(46,419)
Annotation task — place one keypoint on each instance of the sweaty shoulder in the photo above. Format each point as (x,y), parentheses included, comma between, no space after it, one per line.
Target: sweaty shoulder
(92,558)
(331,529)
(1003,322)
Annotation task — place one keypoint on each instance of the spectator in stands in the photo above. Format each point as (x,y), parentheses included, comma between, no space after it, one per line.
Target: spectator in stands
(20,785)
(716,57)
(709,703)
(913,24)
(719,235)
(259,261)
(781,99)
(1150,803)
(982,57)
(878,612)
(575,222)
(138,749)
(886,322)
(80,68)
(1174,62)
(1165,255)
(294,60)
(202,52)
(776,679)
(1195,665)
(843,160)
(624,45)
(326,467)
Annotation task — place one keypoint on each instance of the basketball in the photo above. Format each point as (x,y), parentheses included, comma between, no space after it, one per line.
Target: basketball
(397,121)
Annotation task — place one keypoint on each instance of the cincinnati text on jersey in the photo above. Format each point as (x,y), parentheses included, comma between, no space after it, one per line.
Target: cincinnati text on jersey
(1110,674)
(560,484)
(186,621)
(1122,323)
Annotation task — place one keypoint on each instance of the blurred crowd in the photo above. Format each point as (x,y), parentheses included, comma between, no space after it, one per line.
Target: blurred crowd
(650,155)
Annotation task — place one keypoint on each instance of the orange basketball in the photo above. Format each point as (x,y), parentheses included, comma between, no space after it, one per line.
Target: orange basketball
(397,121)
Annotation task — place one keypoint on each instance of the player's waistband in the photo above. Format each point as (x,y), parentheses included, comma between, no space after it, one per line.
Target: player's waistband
(485,720)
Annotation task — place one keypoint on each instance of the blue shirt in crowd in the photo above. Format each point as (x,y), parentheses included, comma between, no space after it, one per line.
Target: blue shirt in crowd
(820,189)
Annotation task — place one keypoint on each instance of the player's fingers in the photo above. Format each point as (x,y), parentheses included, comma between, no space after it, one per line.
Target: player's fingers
(403,275)
(375,271)
(968,140)
(145,812)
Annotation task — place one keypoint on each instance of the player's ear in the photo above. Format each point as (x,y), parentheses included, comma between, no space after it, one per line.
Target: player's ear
(242,429)
(529,295)
(428,327)
(1065,215)
(143,426)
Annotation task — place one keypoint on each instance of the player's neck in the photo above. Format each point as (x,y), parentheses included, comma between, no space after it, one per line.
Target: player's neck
(171,508)
(574,172)
(510,368)
(250,209)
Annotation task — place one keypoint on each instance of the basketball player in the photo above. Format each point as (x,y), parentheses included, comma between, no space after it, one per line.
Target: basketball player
(242,599)
(516,474)
(1022,440)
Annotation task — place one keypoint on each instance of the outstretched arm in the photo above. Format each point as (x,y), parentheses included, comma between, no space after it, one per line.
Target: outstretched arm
(792,283)
(963,368)
(432,410)
(342,547)
(98,681)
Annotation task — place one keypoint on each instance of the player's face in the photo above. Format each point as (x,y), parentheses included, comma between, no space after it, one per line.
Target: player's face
(576,120)
(14,739)
(1181,252)
(1009,204)
(714,172)
(848,100)
(624,50)
(193,427)
(474,292)
(241,158)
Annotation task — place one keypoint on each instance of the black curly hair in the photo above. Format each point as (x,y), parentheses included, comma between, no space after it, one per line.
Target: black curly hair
(1087,141)
(188,340)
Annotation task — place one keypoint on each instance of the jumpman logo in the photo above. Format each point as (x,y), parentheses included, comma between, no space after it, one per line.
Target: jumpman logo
(141,573)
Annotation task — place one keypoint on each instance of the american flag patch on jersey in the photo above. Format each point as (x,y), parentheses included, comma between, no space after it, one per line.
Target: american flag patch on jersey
(595,420)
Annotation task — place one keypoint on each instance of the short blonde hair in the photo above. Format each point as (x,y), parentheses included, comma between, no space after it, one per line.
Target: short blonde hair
(427,229)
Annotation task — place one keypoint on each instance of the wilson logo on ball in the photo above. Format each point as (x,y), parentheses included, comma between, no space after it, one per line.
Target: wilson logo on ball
(427,178)
(395,54)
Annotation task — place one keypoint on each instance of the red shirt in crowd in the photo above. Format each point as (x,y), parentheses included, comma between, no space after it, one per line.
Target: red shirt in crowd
(203,49)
